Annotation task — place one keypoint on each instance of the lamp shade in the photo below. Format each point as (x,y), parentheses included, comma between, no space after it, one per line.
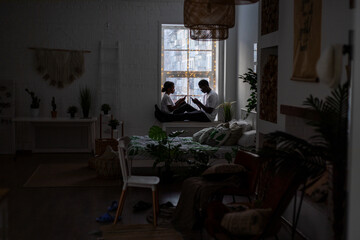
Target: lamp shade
(209,34)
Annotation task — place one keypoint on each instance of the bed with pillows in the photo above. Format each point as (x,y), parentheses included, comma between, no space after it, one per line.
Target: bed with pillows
(219,140)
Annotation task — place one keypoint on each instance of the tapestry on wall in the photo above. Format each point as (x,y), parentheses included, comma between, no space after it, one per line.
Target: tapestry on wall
(268,90)
(60,68)
(269,16)
(307,39)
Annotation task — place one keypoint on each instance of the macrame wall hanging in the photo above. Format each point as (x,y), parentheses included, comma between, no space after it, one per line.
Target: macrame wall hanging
(59,67)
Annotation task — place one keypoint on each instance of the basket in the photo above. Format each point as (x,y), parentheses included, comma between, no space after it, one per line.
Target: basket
(101,143)
(108,168)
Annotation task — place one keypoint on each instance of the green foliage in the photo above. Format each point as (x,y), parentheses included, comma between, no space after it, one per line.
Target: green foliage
(228,113)
(35,100)
(330,143)
(251,78)
(105,108)
(113,123)
(85,101)
(53,104)
(164,151)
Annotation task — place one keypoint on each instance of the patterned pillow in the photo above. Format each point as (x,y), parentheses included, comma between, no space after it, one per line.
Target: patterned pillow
(197,135)
(248,222)
(236,132)
(203,138)
(220,171)
(218,136)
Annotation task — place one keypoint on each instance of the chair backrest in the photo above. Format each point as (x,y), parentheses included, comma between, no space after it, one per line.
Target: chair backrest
(252,163)
(122,153)
(278,190)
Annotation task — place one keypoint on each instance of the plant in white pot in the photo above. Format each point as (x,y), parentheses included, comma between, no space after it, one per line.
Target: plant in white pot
(35,103)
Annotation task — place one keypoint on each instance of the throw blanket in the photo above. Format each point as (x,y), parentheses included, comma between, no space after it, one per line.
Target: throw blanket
(195,194)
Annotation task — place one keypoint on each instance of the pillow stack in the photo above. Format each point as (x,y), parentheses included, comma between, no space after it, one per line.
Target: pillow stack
(227,134)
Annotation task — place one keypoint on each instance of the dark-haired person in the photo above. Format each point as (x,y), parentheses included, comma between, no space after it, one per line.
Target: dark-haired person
(208,110)
(167,104)
(184,111)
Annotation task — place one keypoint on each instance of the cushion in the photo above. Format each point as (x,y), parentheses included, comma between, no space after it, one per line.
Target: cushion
(218,136)
(247,126)
(197,135)
(236,132)
(204,136)
(248,222)
(248,139)
(220,171)
(108,154)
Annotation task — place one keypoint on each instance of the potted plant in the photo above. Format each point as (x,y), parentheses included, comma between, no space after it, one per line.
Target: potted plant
(72,110)
(164,151)
(53,105)
(35,103)
(113,123)
(105,108)
(85,101)
(251,78)
(227,110)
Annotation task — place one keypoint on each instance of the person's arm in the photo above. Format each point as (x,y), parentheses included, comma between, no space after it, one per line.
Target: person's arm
(202,106)
(177,104)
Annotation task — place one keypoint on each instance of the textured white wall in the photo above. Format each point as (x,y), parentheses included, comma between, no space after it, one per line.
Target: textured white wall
(247,35)
(82,25)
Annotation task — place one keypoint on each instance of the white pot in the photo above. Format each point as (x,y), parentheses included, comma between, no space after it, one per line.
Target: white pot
(34,112)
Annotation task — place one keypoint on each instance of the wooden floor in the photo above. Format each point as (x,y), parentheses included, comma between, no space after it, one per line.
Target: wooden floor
(68,212)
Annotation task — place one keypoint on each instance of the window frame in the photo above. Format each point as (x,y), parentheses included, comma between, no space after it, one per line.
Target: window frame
(211,75)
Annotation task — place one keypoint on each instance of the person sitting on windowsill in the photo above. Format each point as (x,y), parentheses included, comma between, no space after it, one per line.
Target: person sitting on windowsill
(181,111)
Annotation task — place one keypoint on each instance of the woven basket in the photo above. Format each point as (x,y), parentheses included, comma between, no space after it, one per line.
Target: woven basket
(108,168)
(100,145)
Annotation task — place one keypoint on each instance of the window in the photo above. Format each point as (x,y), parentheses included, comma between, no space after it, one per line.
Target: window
(185,62)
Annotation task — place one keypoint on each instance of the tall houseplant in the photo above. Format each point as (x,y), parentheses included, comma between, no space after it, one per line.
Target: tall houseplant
(85,101)
(328,145)
(250,77)
(164,151)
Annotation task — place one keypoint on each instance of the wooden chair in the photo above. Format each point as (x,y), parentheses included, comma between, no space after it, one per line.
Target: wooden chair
(252,163)
(276,192)
(135,181)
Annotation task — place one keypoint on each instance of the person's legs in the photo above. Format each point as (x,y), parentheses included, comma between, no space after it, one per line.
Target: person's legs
(198,116)
(185,107)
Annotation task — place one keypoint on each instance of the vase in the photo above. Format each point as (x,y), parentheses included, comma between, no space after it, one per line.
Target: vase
(34,112)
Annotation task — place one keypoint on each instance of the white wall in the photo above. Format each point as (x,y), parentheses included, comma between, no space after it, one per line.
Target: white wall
(354,150)
(247,35)
(336,22)
(77,25)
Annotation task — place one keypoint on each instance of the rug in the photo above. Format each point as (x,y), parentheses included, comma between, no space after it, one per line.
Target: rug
(67,175)
(138,231)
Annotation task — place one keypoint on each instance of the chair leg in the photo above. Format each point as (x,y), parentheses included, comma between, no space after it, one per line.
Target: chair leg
(157,201)
(121,205)
(154,206)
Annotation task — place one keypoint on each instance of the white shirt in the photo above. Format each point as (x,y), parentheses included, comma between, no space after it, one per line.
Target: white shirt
(211,100)
(165,101)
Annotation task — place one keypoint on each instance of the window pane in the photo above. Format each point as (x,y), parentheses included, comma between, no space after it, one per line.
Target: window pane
(175,61)
(175,39)
(194,86)
(200,61)
(200,45)
(180,85)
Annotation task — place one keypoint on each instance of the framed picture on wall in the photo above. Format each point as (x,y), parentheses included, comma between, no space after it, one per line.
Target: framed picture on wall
(307,39)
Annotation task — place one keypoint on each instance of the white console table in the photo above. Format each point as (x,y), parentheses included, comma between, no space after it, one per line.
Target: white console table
(54,134)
